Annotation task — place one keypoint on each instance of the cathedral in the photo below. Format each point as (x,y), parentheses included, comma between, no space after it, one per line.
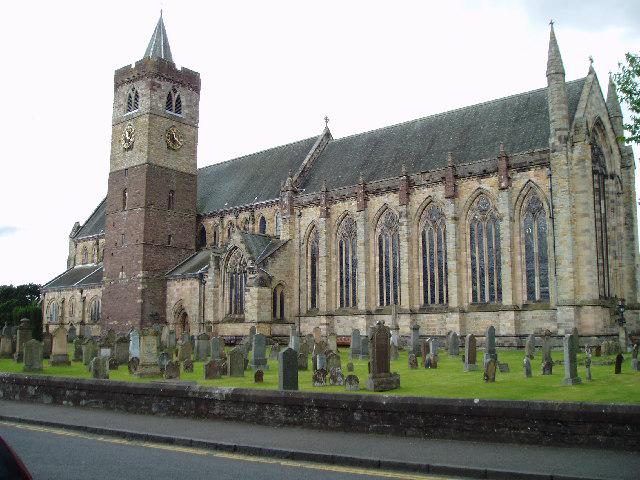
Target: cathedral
(517,212)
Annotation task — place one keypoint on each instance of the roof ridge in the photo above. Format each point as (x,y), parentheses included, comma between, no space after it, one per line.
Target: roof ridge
(258,152)
(451,111)
(89,218)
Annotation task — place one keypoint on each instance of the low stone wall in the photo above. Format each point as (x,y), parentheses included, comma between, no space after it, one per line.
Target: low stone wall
(542,423)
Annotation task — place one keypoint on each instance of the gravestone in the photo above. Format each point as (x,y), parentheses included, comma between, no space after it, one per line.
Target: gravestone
(71,333)
(121,350)
(634,358)
(415,339)
(490,370)
(365,346)
(113,363)
(319,348)
(571,346)
(258,377)
(252,333)
(470,353)
(163,360)
(333,361)
(587,364)
(352,382)
(6,344)
(148,366)
(309,341)
(99,367)
(202,347)
(356,344)
(217,348)
(434,346)
(171,340)
(424,351)
(23,335)
(427,362)
(212,369)
(503,367)
(59,348)
(336,377)
(317,335)
(303,361)
(133,364)
(89,351)
(530,346)
(235,363)
(413,361)
(294,339)
(47,343)
(454,344)
(490,345)
(77,349)
(134,344)
(320,362)
(393,352)
(164,337)
(259,357)
(619,360)
(184,351)
(275,351)
(527,367)
(172,370)
(350,367)
(547,360)
(187,366)
(32,355)
(381,379)
(109,339)
(288,369)
(332,342)
(320,378)
(547,368)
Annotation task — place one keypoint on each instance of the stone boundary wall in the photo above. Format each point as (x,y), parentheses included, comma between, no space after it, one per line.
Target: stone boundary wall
(541,423)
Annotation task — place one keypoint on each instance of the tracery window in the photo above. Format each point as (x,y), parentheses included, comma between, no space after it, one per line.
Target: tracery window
(348,262)
(388,250)
(484,247)
(278,224)
(133,100)
(202,237)
(262,225)
(53,312)
(600,213)
(278,303)
(433,243)
(95,310)
(536,250)
(313,243)
(174,102)
(236,280)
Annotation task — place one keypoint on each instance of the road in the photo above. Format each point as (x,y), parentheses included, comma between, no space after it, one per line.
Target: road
(52,453)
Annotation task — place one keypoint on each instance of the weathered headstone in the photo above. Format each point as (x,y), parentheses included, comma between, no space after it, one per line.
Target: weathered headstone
(172,370)
(303,361)
(547,360)
(32,356)
(258,376)
(202,347)
(490,370)
(571,346)
(490,345)
(381,379)
(619,360)
(288,369)
(393,351)
(336,377)
(587,364)
(89,351)
(415,339)
(365,347)
(470,353)
(212,369)
(71,333)
(113,363)
(163,360)
(352,382)
(332,342)
(172,341)
(47,343)
(350,367)
(413,361)
(530,346)
(454,344)
(6,344)
(356,344)
(317,334)
(134,344)
(434,346)
(294,338)
(275,351)
(148,366)
(133,364)
(121,350)
(77,349)
(252,333)
(320,362)
(235,363)
(503,367)
(333,361)
(59,348)
(187,365)
(527,367)
(99,367)
(320,378)
(547,367)
(164,337)
(259,356)
(634,358)
(424,351)
(217,348)
(184,351)
(23,335)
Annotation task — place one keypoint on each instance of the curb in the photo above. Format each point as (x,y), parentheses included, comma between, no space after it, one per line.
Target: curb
(299,455)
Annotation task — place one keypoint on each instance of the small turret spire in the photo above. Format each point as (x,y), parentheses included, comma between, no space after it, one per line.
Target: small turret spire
(159,44)
(554,59)
(613,103)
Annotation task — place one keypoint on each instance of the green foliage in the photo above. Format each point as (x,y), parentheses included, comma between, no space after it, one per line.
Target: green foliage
(21,302)
(34,313)
(626,81)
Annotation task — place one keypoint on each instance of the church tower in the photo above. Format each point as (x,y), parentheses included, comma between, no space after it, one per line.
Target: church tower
(151,199)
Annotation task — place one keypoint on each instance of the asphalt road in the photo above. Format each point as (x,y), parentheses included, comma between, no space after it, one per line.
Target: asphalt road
(51,453)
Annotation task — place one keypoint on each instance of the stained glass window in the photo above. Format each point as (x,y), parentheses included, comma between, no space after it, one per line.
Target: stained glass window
(484,247)
(600,214)
(313,254)
(278,303)
(262,225)
(95,310)
(348,257)
(433,238)
(237,280)
(388,259)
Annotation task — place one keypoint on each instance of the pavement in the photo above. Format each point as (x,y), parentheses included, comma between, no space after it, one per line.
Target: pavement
(371,451)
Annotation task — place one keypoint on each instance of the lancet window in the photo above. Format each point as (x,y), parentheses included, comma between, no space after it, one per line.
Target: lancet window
(237,281)
(536,249)
(484,247)
(348,262)
(313,242)
(433,248)
(388,253)
(174,102)
(599,169)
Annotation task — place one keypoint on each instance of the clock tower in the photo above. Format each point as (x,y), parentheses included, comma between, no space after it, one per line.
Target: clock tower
(151,198)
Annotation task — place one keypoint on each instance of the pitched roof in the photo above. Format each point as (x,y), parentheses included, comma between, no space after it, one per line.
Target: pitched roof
(196,263)
(471,133)
(159,43)
(78,276)
(249,179)
(261,246)
(95,223)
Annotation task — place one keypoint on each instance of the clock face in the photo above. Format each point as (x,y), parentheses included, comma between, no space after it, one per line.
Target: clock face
(174,138)
(128,137)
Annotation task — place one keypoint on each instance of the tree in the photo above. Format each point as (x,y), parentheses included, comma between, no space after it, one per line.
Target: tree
(21,302)
(626,81)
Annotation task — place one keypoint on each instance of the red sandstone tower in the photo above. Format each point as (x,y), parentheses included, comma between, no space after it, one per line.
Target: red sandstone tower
(151,199)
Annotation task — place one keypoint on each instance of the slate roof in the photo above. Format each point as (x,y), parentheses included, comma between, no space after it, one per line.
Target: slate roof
(196,263)
(249,179)
(159,43)
(95,223)
(471,133)
(261,246)
(77,277)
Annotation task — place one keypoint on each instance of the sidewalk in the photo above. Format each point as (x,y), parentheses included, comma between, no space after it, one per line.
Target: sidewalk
(459,458)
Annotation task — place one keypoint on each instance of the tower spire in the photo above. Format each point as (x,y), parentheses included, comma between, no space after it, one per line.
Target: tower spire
(159,43)
(556,95)
(613,103)
(554,59)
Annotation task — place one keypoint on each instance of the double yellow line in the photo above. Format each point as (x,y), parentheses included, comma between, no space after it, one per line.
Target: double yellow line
(232,456)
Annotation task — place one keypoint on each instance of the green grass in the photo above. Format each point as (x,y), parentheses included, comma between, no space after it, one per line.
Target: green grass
(448,380)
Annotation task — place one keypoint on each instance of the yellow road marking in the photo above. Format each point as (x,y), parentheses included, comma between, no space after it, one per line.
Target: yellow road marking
(227,455)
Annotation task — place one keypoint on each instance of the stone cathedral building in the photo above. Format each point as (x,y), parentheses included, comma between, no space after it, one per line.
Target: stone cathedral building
(518,212)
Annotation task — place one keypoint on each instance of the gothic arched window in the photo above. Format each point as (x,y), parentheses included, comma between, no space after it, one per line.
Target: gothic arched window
(277,306)
(245,225)
(85,255)
(599,169)
(388,254)
(484,248)
(278,224)
(229,231)
(536,250)
(133,100)
(433,244)
(348,262)
(202,237)
(262,225)
(236,280)
(313,242)
(53,312)
(94,310)
(174,102)
(72,307)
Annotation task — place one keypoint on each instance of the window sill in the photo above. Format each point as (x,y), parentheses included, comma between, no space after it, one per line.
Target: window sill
(536,306)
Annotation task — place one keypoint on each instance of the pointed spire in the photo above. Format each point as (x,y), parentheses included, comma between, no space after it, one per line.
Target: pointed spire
(613,103)
(159,44)
(554,60)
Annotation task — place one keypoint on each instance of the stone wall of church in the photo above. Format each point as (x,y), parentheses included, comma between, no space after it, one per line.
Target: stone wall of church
(183,295)
(73,306)
(88,250)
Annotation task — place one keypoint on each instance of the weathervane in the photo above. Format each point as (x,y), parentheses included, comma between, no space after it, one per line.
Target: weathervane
(326,121)
(551,22)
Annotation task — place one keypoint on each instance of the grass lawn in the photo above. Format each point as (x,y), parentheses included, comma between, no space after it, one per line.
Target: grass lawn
(448,380)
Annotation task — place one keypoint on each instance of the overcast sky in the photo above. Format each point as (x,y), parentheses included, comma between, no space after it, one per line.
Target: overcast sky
(271,70)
